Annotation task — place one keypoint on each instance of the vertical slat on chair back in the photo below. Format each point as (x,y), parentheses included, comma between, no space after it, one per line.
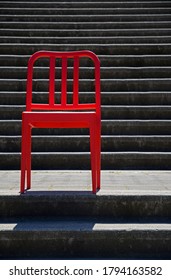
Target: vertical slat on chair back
(64,82)
(76,81)
(63,56)
(52,81)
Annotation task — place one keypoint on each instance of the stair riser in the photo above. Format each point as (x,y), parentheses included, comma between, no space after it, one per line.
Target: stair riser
(110,161)
(57,244)
(100,49)
(68,204)
(88,73)
(85,25)
(84,33)
(120,98)
(87,18)
(107,113)
(90,4)
(125,127)
(84,11)
(119,85)
(74,144)
(87,40)
(108,61)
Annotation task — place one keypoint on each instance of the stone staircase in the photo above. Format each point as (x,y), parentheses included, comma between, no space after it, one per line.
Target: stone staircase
(133,42)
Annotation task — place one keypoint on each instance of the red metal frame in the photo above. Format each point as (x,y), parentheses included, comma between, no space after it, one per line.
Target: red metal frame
(52,115)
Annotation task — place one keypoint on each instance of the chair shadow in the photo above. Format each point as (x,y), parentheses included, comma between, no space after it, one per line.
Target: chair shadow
(58,193)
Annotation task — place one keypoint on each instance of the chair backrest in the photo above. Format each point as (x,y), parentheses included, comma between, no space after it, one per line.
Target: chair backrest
(63,56)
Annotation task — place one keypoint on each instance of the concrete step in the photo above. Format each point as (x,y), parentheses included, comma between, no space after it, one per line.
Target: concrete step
(123,195)
(106,61)
(99,49)
(75,143)
(84,238)
(113,98)
(87,17)
(86,25)
(72,160)
(86,40)
(83,1)
(124,212)
(88,72)
(86,85)
(84,32)
(108,112)
(109,127)
(85,4)
(43,11)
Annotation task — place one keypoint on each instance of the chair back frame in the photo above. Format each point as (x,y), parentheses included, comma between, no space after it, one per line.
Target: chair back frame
(75,55)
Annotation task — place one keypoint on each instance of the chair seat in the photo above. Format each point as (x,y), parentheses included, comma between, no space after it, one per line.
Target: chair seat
(59,119)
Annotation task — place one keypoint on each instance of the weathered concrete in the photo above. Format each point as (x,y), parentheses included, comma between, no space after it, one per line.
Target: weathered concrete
(124,194)
(113,182)
(84,238)
(60,217)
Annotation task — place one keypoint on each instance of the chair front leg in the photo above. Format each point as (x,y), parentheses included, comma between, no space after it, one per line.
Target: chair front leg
(93,157)
(28,157)
(98,154)
(23,156)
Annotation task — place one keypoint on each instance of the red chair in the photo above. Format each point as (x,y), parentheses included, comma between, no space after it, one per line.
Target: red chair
(63,115)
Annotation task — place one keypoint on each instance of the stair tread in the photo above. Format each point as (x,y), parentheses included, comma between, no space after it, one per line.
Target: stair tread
(118,186)
(87,136)
(80,225)
(103,153)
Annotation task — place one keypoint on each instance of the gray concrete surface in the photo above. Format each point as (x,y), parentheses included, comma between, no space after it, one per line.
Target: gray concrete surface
(113,182)
(60,218)
(90,224)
